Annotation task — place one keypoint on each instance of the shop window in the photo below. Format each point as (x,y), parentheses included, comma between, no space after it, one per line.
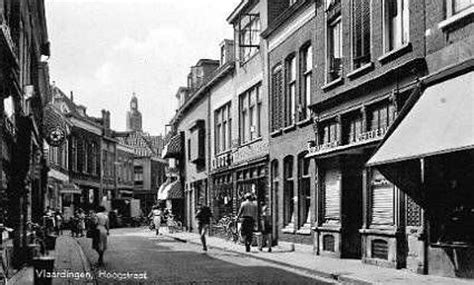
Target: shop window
(413,214)
(382,200)
(288,186)
(275,180)
(290,102)
(360,33)
(306,75)
(380,249)
(332,196)
(277,97)
(396,28)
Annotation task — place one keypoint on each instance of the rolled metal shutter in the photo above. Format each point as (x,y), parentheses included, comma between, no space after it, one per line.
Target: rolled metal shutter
(332,195)
(382,200)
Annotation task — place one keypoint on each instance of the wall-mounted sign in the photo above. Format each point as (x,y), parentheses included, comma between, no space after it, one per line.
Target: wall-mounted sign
(56,127)
(56,136)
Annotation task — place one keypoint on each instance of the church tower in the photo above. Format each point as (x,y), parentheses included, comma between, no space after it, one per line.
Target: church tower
(134,117)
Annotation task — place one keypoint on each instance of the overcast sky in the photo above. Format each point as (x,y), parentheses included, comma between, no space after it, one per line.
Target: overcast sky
(103,50)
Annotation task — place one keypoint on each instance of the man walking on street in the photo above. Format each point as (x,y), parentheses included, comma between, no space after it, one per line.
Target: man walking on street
(248,214)
(203,216)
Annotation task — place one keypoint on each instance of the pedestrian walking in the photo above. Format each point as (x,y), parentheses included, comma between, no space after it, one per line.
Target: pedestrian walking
(81,222)
(99,239)
(203,216)
(59,222)
(248,214)
(156,215)
(266,226)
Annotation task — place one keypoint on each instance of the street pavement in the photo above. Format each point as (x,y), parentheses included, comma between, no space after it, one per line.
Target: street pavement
(137,256)
(167,261)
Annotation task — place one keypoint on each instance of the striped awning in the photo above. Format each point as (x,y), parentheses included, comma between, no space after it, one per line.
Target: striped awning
(173,148)
(171,190)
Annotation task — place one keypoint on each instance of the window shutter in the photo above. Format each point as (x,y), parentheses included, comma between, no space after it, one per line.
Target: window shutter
(365,51)
(382,200)
(357,32)
(277,98)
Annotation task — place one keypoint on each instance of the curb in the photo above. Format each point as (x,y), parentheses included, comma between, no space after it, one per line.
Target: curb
(335,277)
(86,263)
(18,276)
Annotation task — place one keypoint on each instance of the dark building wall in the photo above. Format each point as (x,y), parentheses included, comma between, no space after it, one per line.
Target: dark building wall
(80,135)
(381,63)
(447,45)
(158,175)
(290,141)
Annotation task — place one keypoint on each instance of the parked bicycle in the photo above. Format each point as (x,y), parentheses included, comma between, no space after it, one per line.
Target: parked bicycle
(229,226)
(38,236)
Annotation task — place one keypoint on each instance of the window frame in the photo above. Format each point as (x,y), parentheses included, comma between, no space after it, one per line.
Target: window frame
(403,24)
(306,74)
(355,66)
(451,5)
(330,51)
(248,50)
(250,107)
(290,90)
(223,128)
(277,96)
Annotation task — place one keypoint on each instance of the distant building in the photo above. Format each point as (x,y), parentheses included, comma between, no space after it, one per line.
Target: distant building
(134,117)
(148,167)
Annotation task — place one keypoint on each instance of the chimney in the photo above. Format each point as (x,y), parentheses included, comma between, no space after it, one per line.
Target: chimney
(72,96)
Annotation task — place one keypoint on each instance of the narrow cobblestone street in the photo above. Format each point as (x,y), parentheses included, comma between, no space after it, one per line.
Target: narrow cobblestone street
(167,261)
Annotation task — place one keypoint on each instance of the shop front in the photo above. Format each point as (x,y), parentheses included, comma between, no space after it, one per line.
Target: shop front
(70,200)
(171,196)
(223,195)
(429,155)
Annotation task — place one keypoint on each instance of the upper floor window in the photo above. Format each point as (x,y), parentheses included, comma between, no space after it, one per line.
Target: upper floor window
(249,36)
(396,28)
(360,33)
(250,111)
(290,108)
(353,128)
(455,6)
(334,45)
(329,133)
(196,144)
(74,153)
(223,129)
(306,74)
(381,117)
